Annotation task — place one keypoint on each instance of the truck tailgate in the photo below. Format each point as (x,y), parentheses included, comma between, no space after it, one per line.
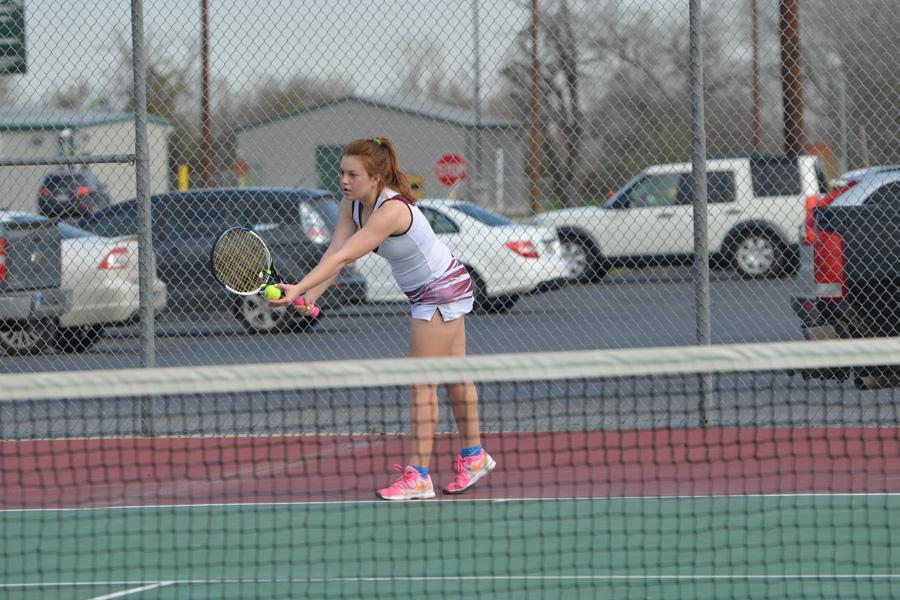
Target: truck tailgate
(871,237)
(32,255)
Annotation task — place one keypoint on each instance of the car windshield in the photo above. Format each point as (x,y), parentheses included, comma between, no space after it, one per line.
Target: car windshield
(115,221)
(25,218)
(617,199)
(330,208)
(487,217)
(61,180)
(70,232)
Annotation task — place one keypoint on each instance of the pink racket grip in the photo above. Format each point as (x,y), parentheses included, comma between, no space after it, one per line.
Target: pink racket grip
(299,301)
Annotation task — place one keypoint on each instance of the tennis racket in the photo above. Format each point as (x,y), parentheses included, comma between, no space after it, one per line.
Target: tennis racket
(242,264)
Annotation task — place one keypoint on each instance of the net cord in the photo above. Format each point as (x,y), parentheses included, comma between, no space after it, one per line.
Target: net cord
(538,366)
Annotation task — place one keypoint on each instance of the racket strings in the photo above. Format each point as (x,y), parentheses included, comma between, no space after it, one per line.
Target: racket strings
(241,261)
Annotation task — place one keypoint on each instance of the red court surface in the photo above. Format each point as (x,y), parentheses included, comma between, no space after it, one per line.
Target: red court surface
(88,473)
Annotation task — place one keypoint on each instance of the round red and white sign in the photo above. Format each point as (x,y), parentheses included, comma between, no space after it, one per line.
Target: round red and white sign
(450,169)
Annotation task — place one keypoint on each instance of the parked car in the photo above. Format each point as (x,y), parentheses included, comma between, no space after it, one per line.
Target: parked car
(856,269)
(292,221)
(31,297)
(71,194)
(855,174)
(504,258)
(102,276)
(755,208)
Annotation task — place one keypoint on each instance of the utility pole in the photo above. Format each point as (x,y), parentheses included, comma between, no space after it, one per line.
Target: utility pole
(205,119)
(754,78)
(791,76)
(534,142)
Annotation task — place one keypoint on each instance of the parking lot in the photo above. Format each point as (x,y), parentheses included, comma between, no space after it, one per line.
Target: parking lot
(651,307)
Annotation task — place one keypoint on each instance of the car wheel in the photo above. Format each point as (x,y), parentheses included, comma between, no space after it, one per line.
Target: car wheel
(78,339)
(757,255)
(26,337)
(586,264)
(486,304)
(256,317)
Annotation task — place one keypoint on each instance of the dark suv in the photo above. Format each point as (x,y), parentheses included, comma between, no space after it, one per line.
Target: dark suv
(71,194)
(294,222)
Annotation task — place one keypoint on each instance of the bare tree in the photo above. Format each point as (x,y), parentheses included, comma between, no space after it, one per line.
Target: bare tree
(422,72)
(854,47)
(73,97)
(562,116)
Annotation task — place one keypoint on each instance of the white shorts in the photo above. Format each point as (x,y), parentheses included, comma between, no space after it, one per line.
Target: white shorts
(449,311)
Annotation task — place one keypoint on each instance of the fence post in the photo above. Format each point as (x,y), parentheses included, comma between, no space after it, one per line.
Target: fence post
(142,187)
(698,171)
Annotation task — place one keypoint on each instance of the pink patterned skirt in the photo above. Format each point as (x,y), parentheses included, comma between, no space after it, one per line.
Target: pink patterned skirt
(451,293)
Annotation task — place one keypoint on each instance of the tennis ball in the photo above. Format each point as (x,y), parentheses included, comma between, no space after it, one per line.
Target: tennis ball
(272,293)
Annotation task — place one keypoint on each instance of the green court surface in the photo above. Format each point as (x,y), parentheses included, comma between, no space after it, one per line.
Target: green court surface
(766,546)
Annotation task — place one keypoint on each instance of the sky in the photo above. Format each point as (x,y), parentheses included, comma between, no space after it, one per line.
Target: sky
(360,41)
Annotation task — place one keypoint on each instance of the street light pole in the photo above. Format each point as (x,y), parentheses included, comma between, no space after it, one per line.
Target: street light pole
(205,119)
(843,118)
(534,158)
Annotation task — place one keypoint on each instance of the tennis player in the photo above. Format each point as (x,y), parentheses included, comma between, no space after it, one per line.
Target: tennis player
(378,214)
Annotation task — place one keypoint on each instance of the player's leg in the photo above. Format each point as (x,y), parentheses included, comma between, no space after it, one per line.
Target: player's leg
(463,396)
(473,463)
(426,339)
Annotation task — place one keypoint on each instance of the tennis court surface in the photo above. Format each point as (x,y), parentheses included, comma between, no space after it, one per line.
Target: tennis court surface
(660,473)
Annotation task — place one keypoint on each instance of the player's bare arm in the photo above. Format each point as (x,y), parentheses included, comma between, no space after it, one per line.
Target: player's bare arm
(343,230)
(392,217)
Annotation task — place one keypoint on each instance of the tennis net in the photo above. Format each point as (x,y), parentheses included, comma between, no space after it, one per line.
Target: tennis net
(717,472)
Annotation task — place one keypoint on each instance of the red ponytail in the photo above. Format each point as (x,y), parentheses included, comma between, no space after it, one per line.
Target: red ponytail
(380,158)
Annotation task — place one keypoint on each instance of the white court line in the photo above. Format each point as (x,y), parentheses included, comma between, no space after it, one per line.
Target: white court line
(438,500)
(608,577)
(137,590)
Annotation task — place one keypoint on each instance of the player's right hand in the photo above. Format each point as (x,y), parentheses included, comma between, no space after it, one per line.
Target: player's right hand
(305,307)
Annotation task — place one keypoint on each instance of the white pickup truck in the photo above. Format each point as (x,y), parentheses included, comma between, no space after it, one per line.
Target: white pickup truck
(755,209)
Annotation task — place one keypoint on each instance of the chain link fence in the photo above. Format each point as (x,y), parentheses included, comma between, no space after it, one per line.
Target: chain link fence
(549,143)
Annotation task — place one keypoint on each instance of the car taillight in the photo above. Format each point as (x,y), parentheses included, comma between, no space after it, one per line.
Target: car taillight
(813,202)
(2,259)
(116,259)
(83,190)
(828,265)
(44,192)
(319,235)
(523,248)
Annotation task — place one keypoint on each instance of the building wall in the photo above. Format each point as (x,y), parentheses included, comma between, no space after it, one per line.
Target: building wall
(282,153)
(118,138)
(19,185)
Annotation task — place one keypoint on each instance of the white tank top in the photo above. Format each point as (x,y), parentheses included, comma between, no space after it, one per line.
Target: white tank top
(416,256)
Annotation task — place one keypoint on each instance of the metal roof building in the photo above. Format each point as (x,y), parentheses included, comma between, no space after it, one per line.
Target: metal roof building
(303,148)
(41,132)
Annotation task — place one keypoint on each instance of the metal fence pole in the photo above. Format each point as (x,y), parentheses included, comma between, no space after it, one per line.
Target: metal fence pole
(698,171)
(142,185)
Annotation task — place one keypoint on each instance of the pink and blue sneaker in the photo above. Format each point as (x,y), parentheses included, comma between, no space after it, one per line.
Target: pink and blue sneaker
(469,470)
(410,486)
